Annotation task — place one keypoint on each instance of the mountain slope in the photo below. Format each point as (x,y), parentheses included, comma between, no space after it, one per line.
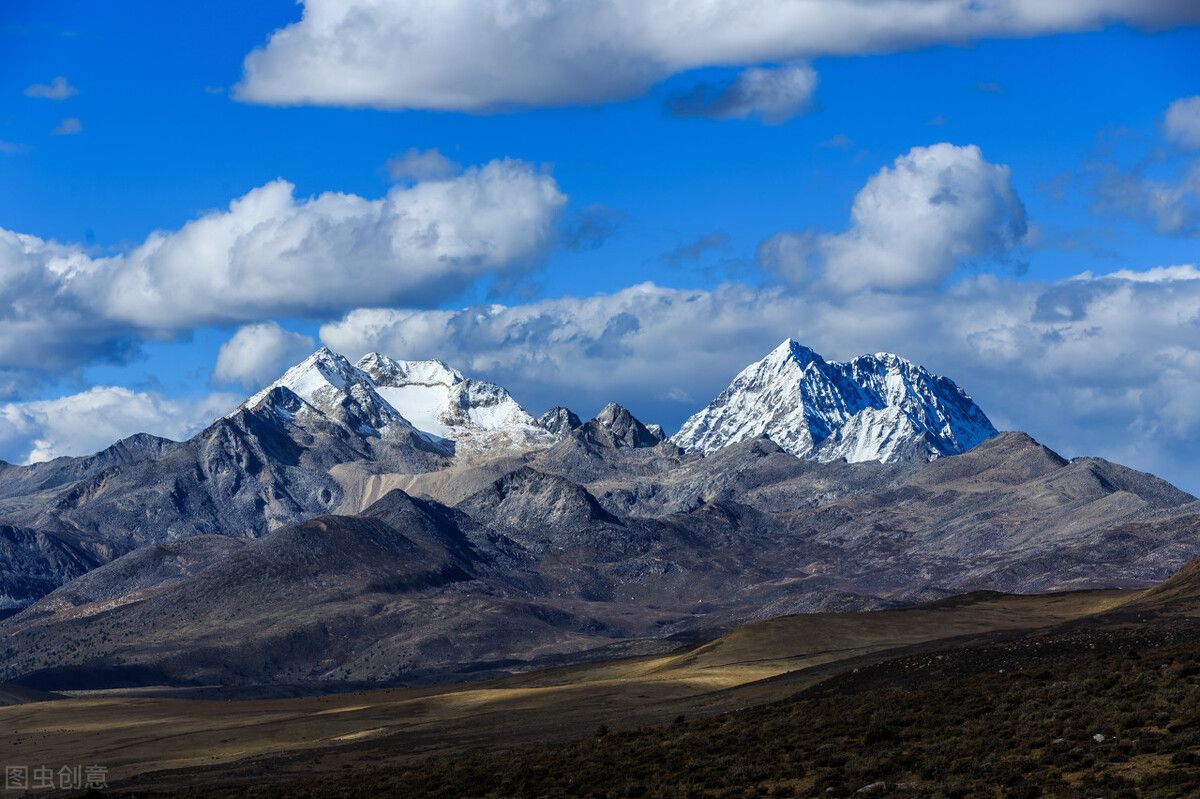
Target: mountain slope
(581,550)
(877,407)
(33,563)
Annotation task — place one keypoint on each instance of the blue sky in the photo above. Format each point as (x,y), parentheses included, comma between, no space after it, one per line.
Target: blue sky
(1075,110)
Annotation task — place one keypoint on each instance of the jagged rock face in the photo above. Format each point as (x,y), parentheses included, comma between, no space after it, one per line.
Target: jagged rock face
(616,427)
(34,563)
(559,420)
(875,408)
(657,431)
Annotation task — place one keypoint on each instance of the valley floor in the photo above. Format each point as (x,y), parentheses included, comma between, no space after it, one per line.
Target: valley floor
(536,733)
(1078,714)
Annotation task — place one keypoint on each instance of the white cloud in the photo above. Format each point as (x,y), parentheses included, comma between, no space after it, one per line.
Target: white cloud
(1158,274)
(417,165)
(256,354)
(916,222)
(87,422)
(476,55)
(71,126)
(271,254)
(1079,363)
(44,323)
(912,225)
(1181,123)
(57,89)
(773,95)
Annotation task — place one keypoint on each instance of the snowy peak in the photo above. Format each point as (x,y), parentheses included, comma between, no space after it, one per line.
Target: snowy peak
(790,353)
(877,407)
(382,396)
(320,380)
(328,385)
(440,400)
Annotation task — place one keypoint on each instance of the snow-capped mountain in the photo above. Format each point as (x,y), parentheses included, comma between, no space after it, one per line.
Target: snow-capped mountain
(874,408)
(440,400)
(326,383)
(382,396)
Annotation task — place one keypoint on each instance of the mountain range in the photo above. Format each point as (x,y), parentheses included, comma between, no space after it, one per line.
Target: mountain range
(397,521)
(328,433)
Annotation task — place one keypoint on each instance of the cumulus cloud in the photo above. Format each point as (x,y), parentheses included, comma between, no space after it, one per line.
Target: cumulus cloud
(912,225)
(916,222)
(1078,363)
(87,422)
(478,55)
(44,323)
(256,354)
(1181,123)
(773,95)
(57,89)
(416,165)
(272,254)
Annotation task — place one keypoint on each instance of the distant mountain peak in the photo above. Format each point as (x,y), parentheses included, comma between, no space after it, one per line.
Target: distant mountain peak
(615,426)
(560,420)
(382,396)
(878,407)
